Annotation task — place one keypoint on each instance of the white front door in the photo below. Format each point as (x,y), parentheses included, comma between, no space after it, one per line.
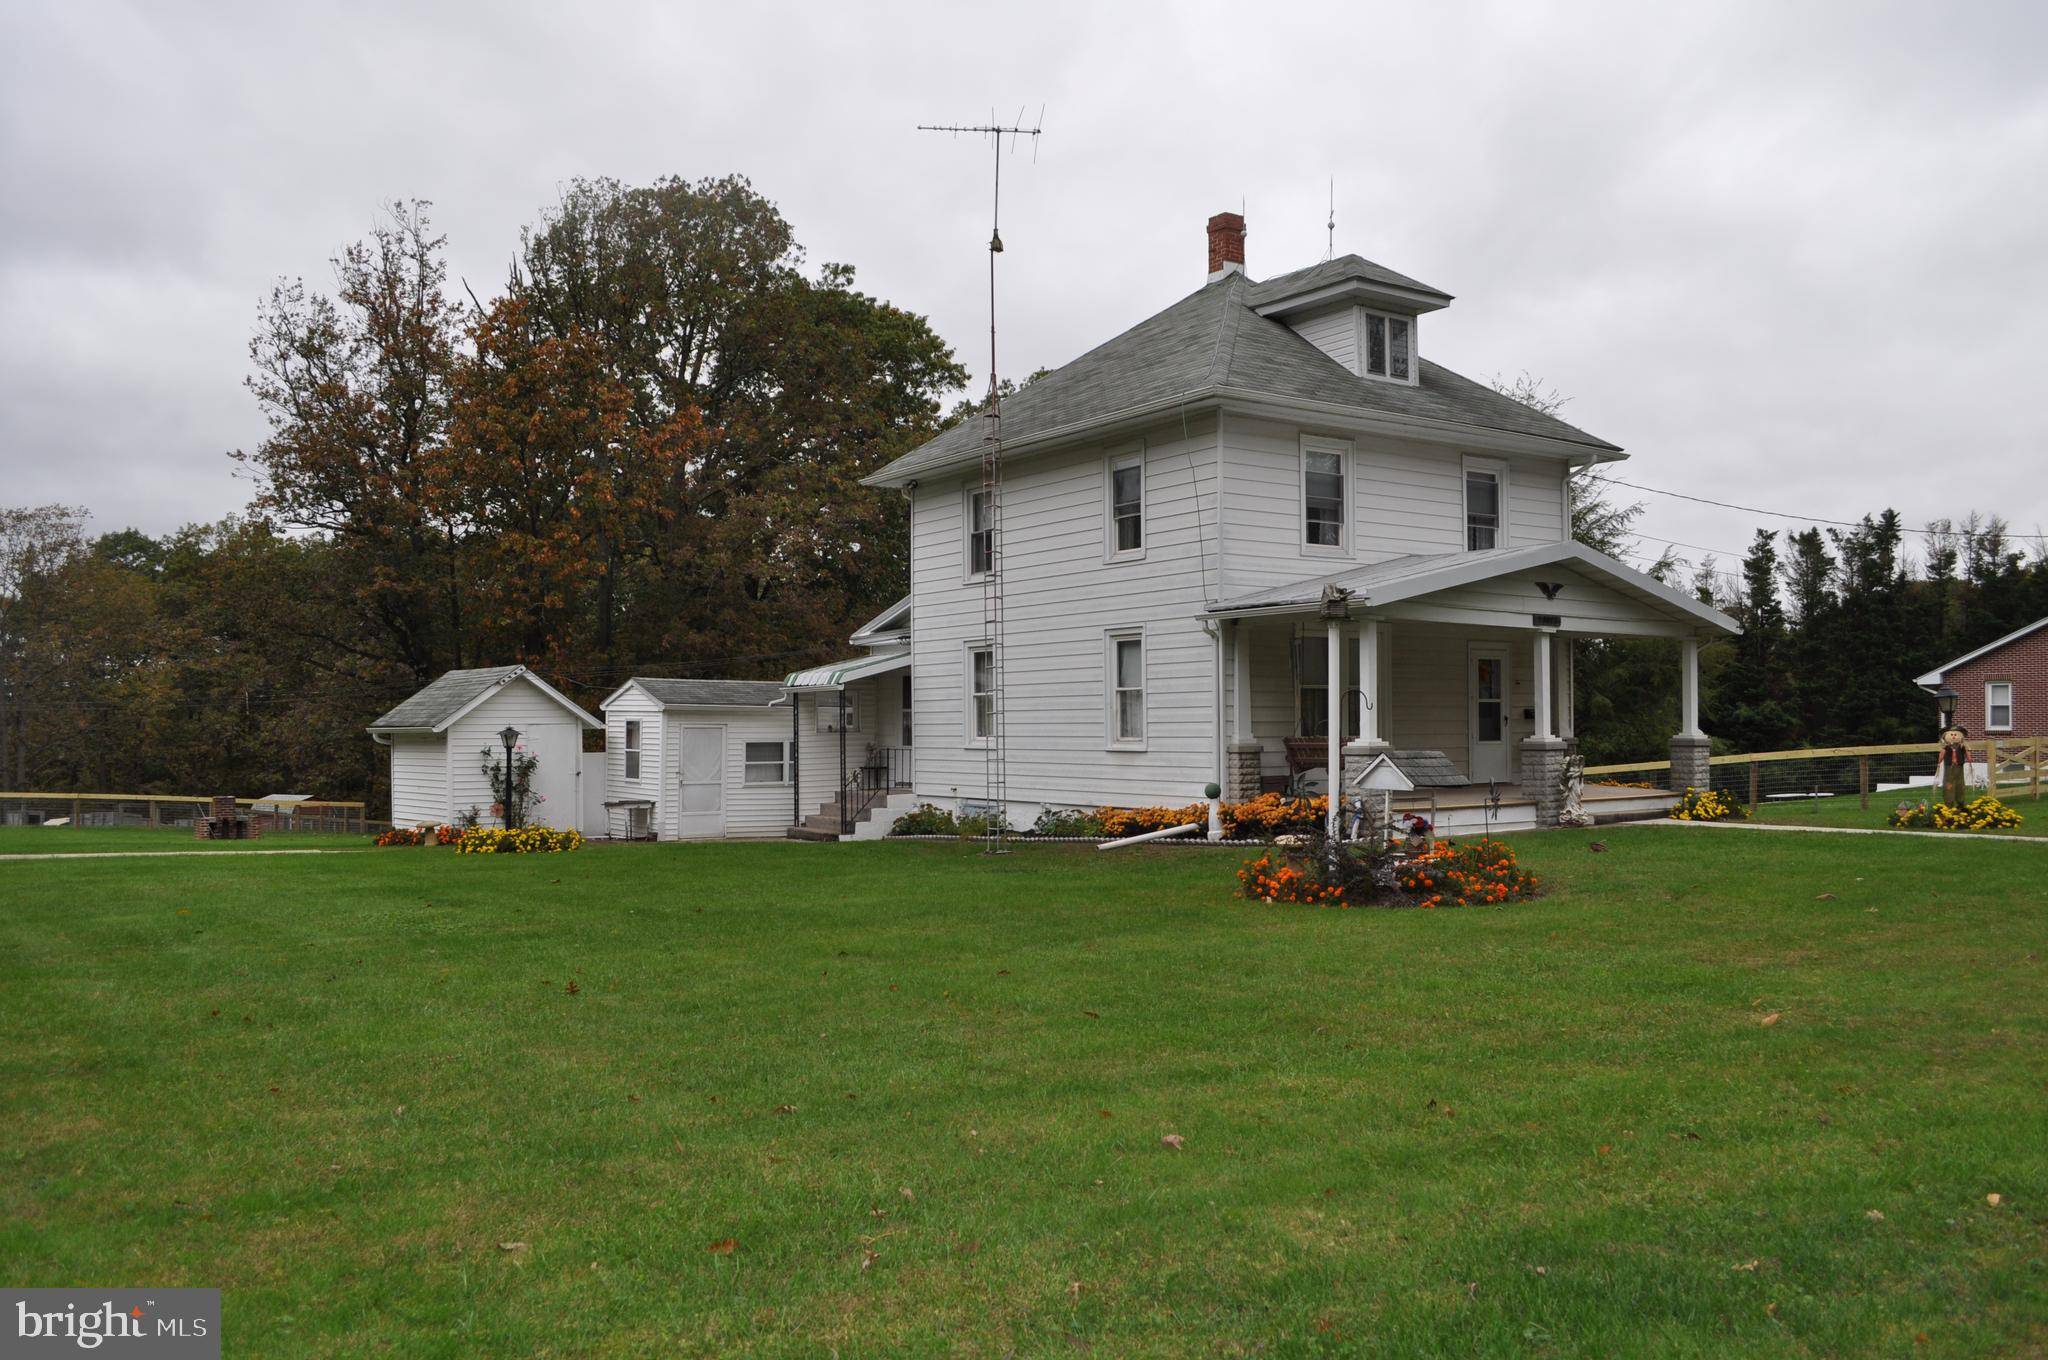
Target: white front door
(557,750)
(700,802)
(1487,740)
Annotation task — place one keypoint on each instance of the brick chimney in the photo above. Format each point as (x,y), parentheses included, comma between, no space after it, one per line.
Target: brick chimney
(1226,245)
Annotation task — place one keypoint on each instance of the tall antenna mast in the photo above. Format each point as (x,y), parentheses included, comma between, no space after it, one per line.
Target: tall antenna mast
(986,508)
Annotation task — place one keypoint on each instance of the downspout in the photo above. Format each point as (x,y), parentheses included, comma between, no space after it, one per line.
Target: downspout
(1215,632)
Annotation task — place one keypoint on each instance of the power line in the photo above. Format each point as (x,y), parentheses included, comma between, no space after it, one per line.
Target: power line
(1811,519)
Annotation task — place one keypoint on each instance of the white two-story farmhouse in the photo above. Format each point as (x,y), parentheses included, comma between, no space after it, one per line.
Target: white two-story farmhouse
(1255,537)
(1206,519)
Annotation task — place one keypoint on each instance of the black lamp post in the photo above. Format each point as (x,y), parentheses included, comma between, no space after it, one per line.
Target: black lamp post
(510,736)
(1945,704)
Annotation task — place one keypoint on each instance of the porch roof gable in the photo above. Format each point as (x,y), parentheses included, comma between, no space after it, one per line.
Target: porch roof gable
(1409,577)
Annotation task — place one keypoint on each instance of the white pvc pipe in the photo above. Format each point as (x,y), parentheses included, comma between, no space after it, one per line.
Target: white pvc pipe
(1151,835)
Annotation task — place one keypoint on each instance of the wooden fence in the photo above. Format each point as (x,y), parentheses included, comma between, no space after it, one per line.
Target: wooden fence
(170,809)
(2010,768)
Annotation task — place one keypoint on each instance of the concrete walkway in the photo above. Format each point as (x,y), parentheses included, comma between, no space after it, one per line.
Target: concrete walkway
(1847,831)
(170,854)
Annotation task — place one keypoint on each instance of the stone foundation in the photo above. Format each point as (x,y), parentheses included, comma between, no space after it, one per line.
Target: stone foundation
(1689,768)
(1242,761)
(1542,777)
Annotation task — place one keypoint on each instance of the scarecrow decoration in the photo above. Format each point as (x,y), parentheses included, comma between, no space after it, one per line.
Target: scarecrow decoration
(1954,765)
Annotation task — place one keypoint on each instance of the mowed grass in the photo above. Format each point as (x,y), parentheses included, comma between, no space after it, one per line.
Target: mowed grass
(104,840)
(1847,810)
(1714,1095)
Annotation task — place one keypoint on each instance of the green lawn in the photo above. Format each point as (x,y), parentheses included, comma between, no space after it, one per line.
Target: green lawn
(1715,1095)
(84,840)
(1848,810)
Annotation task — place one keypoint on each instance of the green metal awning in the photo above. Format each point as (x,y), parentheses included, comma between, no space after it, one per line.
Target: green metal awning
(840,674)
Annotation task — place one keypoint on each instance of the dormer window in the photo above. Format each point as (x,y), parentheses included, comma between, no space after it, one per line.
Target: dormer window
(1389,345)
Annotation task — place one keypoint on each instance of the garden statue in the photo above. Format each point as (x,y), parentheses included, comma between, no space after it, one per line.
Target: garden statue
(1573,782)
(1955,763)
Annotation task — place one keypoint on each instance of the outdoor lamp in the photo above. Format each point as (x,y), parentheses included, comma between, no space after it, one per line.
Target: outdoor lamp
(510,736)
(1945,701)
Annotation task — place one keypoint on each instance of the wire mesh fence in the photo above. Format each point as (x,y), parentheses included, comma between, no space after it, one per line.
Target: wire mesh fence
(2010,769)
(180,811)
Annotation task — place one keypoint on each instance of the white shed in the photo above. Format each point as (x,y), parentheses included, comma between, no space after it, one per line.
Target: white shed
(711,758)
(442,738)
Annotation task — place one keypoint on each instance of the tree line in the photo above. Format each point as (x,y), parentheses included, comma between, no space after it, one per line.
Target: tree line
(643,452)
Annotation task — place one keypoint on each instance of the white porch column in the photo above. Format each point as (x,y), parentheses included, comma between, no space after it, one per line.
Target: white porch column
(1689,688)
(1335,690)
(1543,677)
(1240,681)
(1561,690)
(1369,728)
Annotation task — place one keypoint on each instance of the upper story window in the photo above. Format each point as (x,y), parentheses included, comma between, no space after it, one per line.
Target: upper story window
(1389,346)
(1127,505)
(1486,495)
(981,533)
(1998,705)
(1323,505)
(632,748)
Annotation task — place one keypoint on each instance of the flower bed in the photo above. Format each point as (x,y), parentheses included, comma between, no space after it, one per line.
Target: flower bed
(1983,813)
(1474,873)
(402,835)
(1706,805)
(526,840)
(1260,818)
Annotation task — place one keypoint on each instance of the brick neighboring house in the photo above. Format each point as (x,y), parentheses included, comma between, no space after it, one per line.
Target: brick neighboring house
(2002,687)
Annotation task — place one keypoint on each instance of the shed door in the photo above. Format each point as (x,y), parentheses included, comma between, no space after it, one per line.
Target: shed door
(700,802)
(557,750)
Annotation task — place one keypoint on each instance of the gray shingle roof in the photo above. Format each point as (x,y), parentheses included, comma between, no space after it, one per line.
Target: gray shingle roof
(1212,341)
(710,693)
(1343,269)
(1428,769)
(444,698)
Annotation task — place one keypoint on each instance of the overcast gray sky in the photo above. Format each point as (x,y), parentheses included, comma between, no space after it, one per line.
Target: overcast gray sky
(1789,255)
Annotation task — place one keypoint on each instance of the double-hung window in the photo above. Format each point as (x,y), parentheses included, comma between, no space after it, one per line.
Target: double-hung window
(767,762)
(1486,494)
(1323,518)
(1126,689)
(1127,505)
(837,709)
(1998,705)
(1389,346)
(981,692)
(981,534)
(632,748)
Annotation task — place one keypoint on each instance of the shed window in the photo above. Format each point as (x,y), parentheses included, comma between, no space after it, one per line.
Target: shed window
(1322,490)
(1998,705)
(632,748)
(767,762)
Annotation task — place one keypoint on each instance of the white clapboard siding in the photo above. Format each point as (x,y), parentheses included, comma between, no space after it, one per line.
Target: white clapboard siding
(818,752)
(1334,332)
(750,809)
(635,704)
(419,779)
(1061,597)
(551,732)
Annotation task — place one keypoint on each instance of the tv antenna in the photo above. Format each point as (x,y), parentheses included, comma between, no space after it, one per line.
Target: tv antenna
(985,522)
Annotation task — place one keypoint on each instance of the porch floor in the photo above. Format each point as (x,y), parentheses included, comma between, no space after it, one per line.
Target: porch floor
(1474,795)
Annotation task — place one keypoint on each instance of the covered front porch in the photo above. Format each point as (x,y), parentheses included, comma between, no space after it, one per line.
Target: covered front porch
(850,729)
(1468,655)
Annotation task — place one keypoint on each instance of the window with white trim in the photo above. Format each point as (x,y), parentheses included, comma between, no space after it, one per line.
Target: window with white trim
(1486,498)
(1127,505)
(981,533)
(1389,346)
(1126,689)
(1998,705)
(1323,505)
(1312,686)
(767,762)
(837,708)
(981,691)
(632,748)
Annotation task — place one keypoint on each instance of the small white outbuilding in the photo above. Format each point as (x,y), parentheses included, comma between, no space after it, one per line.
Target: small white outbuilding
(698,759)
(443,737)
